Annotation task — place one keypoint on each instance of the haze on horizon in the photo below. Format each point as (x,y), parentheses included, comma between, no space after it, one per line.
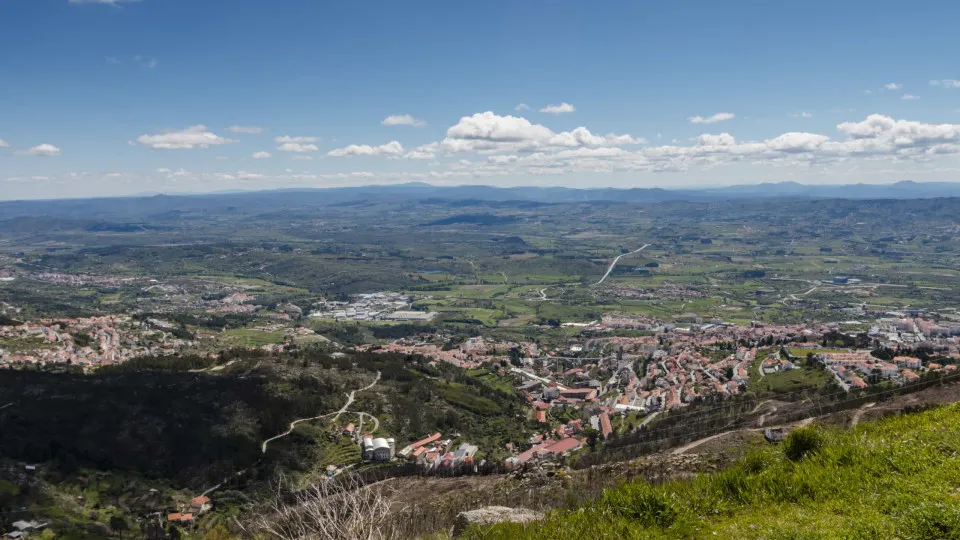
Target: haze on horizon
(124,97)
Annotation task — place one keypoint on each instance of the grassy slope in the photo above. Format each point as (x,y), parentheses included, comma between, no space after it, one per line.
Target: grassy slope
(896,478)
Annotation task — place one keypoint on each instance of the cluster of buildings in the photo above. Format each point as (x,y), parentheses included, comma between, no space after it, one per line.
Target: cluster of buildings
(854,370)
(91,341)
(434,453)
(386,306)
(187,513)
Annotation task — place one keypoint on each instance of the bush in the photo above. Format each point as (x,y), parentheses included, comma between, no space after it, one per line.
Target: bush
(801,443)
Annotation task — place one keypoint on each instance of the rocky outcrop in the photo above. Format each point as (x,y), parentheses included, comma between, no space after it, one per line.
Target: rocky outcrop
(491,515)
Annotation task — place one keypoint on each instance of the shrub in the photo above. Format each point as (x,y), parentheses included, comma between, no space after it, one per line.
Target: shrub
(801,443)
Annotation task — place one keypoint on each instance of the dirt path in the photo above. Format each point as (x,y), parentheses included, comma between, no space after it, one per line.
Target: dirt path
(763,417)
(336,414)
(857,415)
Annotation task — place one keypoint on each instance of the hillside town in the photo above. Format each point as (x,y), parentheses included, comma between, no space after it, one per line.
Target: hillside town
(88,342)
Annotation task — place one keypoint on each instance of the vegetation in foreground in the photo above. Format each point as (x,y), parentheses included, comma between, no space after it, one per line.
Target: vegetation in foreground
(895,478)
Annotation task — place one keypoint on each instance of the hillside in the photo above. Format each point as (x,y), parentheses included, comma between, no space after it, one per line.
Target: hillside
(894,478)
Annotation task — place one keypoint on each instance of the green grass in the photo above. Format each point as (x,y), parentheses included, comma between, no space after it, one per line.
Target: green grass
(247,337)
(789,381)
(896,478)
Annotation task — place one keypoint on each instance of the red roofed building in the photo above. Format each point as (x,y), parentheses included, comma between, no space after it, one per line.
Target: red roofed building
(583,394)
(605,426)
(542,417)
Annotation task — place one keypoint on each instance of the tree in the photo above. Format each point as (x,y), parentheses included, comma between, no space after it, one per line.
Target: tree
(118,525)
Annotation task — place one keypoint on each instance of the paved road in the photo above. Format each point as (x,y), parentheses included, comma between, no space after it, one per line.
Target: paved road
(615,261)
(350,398)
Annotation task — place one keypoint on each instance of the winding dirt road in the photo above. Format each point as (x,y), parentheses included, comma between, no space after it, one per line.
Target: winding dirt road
(336,414)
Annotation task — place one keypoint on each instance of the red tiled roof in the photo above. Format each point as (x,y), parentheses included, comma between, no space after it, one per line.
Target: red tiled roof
(605,426)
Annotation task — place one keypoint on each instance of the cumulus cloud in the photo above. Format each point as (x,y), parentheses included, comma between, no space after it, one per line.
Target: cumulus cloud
(558,109)
(41,150)
(4,144)
(488,132)
(403,120)
(723,139)
(893,86)
(192,137)
(288,139)
(719,117)
(877,137)
(297,147)
(391,148)
(261,155)
(946,83)
(522,107)
(909,97)
(802,115)
(250,130)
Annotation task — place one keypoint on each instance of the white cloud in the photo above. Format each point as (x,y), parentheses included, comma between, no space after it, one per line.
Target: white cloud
(112,59)
(261,155)
(41,150)
(297,147)
(802,115)
(719,117)
(522,107)
(910,97)
(488,132)
(723,139)
(417,154)
(243,175)
(288,139)
(191,137)
(946,83)
(558,109)
(163,170)
(251,130)
(4,144)
(893,86)
(391,148)
(403,120)
(303,158)
(152,63)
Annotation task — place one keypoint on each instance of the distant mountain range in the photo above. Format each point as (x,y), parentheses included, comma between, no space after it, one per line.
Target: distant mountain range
(277,200)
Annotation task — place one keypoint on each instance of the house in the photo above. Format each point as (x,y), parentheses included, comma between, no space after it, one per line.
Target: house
(349,429)
(605,426)
(542,417)
(582,394)
(907,362)
(200,504)
(181,518)
(422,442)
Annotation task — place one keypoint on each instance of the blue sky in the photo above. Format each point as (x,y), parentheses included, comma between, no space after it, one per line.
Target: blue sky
(103,97)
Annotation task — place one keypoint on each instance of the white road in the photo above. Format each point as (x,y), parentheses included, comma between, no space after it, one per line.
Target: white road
(350,397)
(615,261)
